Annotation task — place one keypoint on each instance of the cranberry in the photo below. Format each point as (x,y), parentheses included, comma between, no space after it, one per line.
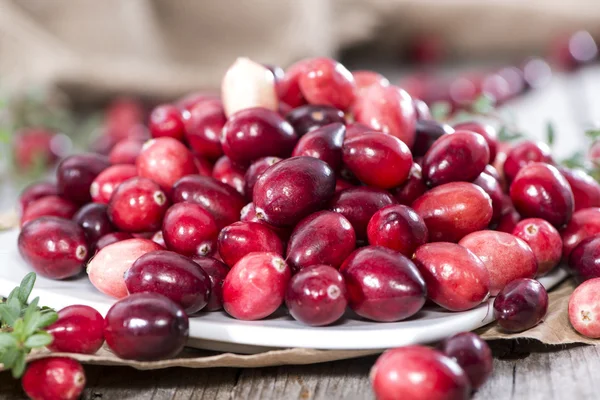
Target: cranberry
(456,278)
(255,133)
(108,180)
(427,132)
(327,82)
(255,286)
(217,271)
(586,190)
(292,189)
(165,160)
(342,184)
(203,126)
(520,305)
(543,239)
(36,147)
(509,217)
(585,223)
(34,192)
(126,151)
(359,204)
(316,295)
(540,191)
(383,285)
(505,256)
(492,187)
(111,238)
(54,378)
(472,354)
(522,154)
(79,329)
(166,120)
(487,131)
(324,143)
(221,200)
(418,373)
(288,88)
(584,308)
(49,206)
(204,167)
(454,210)
(54,247)
(388,109)
(365,79)
(422,110)
(412,188)
(76,173)
(190,230)
(110,263)
(248,214)
(122,115)
(585,258)
(230,174)
(378,160)
(310,117)
(94,220)
(187,102)
(461,156)
(146,327)
(399,228)
(241,238)
(356,129)
(254,171)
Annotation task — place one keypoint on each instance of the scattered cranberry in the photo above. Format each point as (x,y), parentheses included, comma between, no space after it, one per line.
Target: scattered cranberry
(492,187)
(217,271)
(166,120)
(524,153)
(324,143)
(54,378)
(487,131)
(76,173)
(584,260)
(79,329)
(126,151)
(111,238)
(255,171)
(203,126)
(543,239)
(520,305)
(427,132)
(412,188)
(49,206)
(230,174)
(327,82)
(34,192)
(241,238)
(190,230)
(472,354)
(585,223)
(399,228)
(108,180)
(94,220)
(584,308)
(165,160)
(586,190)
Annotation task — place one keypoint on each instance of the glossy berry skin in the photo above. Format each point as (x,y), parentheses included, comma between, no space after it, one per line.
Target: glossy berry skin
(379,160)
(472,354)
(540,191)
(359,204)
(255,286)
(310,117)
(456,278)
(138,205)
(585,223)
(412,188)
(75,175)
(586,190)
(524,153)
(34,192)
(254,133)
(492,187)
(398,228)
(255,171)
(203,127)
(440,378)
(487,131)
(79,329)
(55,248)
(427,132)
(454,210)
(94,220)
(316,296)
(230,174)
(111,238)
(49,206)
(241,238)
(324,237)
(505,256)
(509,217)
(543,239)
(460,156)
(217,271)
(190,230)
(324,143)
(584,308)
(166,120)
(520,305)
(54,378)
(126,151)
(108,180)
(292,189)
(383,285)
(171,275)
(365,79)
(327,82)
(288,87)
(165,160)
(146,327)
(584,260)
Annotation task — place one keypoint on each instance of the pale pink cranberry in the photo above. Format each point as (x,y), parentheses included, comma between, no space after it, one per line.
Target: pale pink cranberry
(190,229)
(217,271)
(49,206)
(126,151)
(54,378)
(34,192)
(327,82)
(165,160)
(584,308)
(585,223)
(544,240)
(241,238)
(166,120)
(398,228)
(203,126)
(364,79)
(108,180)
(230,174)
(586,190)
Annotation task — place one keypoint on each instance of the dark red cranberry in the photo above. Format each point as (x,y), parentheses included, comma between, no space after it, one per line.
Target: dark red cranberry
(166,120)
(111,238)
(524,153)
(316,295)
(217,271)
(586,190)
(327,82)
(492,187)
(398,228)
(204,167)
(76,173)
(540,191)
(54,378)
(412,188)
(427,132)
(146,327)
(55,248)
(35,147)
(254,133)
(472,354)
(241,238)
(93,218)
(364,79)
(487,131)
(292,189)
(310,117)
(383,285)
(79,329)
(521,305)
(165,160)
(203,126)
(34,192)
(585,223)
(190,230)
(584,260)
(108,180)
(49,206)
(288,88)
(254,171)
(509,216)
(342,184)
(543,239)
(126,151)
(324,143)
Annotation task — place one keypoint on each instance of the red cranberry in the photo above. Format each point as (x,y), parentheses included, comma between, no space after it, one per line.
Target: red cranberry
(505,256)
(359,204)
(456,278)
(146,327)
(255,286)
(76,173)
(254,133)
(49,206)
(342,184)
(292,189)
(221,200)
(378,160)
(427,132)
(365,79)
(454,210)
(34,192)
(509,216)
(111,238)
(399,228)
(217,271)
(461,156)
(241,238)
(584,308)
(472,354)
(543,239)
(288,88)
(585,223)
(316,295)
(586,190)
(108,180)
(79,329)
(327,82)
(203,126)
(524,153)
(93,218)
(195,98)
(254,171)
(324,143)
(585,258)
(204,167)
(418,373)
(540,191)
(122,115)
(126,151)
(487,131)
(54,247)
(521,305)
(54,378)
(165,160)
(190,230)
(248,214)
(492,187)
(412,188)
(166,120)
(310,117)
(356,129)
(228,173)
(383,285)
(36,146)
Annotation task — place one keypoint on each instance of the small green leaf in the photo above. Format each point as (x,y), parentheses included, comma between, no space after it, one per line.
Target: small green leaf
(32,318)
(26,287)
(9,357)
(40,339)
(593,133)
(483,104)
(47,318)
(550,133)
(19,365)
(8,314)
(7,340)
(440,110)
(19,329)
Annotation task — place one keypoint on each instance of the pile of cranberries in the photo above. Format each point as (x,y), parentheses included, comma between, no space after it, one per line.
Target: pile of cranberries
(323,190)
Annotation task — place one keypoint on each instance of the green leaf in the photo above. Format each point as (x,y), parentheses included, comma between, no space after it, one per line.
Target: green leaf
(40,339)
(9,357)
(19,365)
(7,340)
(506,135)
(8,315)
(483,104)
(31,318)
(593,133)
(550,133)
(47,318)
(26,287)
(440,110)
(577,160)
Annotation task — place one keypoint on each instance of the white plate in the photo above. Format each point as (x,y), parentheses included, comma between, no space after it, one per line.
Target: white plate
(218,331)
